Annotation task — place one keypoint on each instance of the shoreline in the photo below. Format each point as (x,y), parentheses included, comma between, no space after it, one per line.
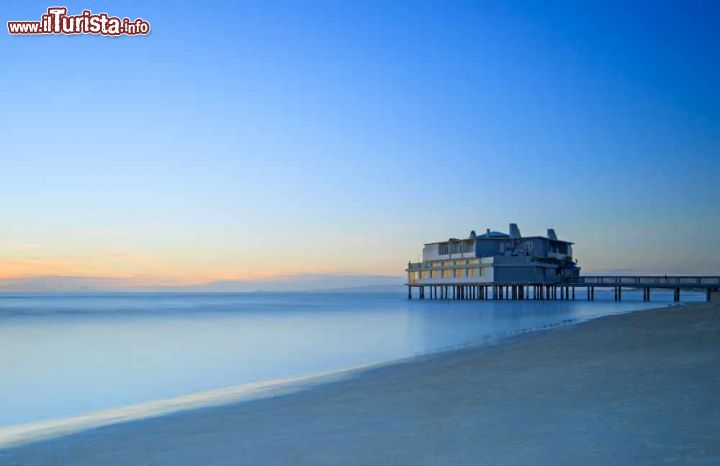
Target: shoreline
(16,435)
(641,385)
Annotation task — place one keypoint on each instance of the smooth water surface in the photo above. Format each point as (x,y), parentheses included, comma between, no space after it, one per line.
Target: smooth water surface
(68,354)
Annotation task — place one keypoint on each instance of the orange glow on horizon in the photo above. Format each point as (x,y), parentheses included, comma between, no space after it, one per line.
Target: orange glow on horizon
(137,270)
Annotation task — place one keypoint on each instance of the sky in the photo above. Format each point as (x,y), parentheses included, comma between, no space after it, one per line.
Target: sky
(252,140)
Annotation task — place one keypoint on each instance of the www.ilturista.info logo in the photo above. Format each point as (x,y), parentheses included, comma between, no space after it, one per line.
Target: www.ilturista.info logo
(57,21)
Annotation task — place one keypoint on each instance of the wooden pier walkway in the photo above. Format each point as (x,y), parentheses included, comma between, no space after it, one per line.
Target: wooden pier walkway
(565,290)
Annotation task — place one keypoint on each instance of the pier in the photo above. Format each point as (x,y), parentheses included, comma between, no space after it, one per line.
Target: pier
(496,265)
(566,289)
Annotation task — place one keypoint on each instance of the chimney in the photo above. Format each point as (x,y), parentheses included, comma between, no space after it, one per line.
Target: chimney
(551,234)
(487,232)
(514,231)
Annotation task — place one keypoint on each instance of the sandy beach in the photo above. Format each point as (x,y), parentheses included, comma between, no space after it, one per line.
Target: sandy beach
(639,388)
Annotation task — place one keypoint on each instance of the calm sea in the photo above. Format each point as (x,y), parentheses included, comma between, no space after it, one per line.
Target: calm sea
(67,354)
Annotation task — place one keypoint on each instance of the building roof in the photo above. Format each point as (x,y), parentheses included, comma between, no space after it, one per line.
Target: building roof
(494,234)
(497,235)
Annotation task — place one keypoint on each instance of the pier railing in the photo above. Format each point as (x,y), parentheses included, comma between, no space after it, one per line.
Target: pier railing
(645,280)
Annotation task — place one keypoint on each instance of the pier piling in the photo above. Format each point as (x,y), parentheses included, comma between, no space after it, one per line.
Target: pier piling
(563,291)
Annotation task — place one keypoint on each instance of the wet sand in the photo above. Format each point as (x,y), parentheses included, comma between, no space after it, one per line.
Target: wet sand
(636,389)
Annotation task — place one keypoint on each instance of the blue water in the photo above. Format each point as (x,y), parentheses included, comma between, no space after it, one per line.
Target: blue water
(68,354)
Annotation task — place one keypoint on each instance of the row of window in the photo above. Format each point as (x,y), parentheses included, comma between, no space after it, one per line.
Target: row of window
(445,273)
(456,247)
(451,263)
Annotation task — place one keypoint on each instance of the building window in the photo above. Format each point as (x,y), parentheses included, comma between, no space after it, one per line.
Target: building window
(425,274)
(412,277)
(472,272)
(459,273)
(447,273)
(443,248)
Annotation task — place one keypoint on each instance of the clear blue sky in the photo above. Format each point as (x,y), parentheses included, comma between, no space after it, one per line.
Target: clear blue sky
(252,139)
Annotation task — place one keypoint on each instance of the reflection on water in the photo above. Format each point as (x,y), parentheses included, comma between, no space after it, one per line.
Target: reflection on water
(67,354)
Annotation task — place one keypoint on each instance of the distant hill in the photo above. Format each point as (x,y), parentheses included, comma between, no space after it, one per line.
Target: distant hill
(309,282)
(398,287)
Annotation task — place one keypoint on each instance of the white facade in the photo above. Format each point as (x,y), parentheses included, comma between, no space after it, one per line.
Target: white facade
(431,252)
(453,271)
